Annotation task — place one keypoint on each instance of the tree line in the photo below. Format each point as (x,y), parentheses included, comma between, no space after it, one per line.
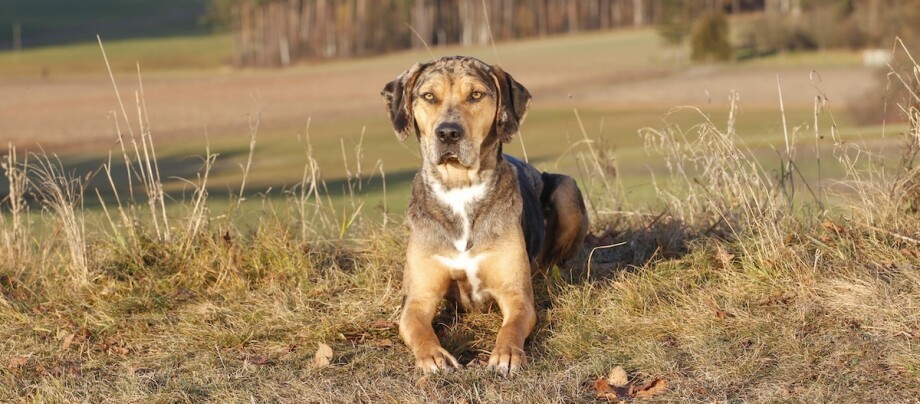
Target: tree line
(278,32)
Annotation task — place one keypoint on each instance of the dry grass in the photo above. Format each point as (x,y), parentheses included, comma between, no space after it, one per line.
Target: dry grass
(735,289)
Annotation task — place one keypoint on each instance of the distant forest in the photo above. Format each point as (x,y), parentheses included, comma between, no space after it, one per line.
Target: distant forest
(279,32)
(282,31)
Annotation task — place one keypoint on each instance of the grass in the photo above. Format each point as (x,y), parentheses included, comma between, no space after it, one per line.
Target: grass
(732,282)
(280,158)
(206,52)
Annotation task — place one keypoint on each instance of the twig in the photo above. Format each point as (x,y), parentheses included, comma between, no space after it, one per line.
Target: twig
(591,254)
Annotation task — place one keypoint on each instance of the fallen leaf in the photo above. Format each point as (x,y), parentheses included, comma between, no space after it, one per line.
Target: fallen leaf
(721,314)
(603,389)
(17,362)
(774,299)
(383,343)
(68,340)
(323,356)
(617,377)
(612,389)
(833,227)
(382,324)
(724,257)
(657,386)
(259,360)
(113,347)
(287,349)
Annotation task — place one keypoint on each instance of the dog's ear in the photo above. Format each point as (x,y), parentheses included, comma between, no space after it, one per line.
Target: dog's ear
(513,103)
(398,97)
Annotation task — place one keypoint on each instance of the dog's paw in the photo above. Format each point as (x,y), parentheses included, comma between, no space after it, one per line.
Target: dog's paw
(434,359)
(507,359)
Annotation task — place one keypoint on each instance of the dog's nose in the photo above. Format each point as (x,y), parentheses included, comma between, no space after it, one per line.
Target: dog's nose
(449,133)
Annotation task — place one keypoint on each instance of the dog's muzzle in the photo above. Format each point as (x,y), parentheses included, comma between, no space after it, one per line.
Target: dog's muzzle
(449,133)
(449,137)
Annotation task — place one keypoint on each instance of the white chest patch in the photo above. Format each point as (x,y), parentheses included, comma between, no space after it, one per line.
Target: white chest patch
(469,265)
(459,200)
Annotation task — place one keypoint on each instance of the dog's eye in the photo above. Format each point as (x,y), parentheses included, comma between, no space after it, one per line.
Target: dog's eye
(476,95)
(428,96)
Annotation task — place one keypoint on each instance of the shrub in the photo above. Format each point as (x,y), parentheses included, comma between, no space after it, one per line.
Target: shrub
(710,38)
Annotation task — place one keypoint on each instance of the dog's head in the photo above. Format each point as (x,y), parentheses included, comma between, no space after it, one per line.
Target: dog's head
(457,106)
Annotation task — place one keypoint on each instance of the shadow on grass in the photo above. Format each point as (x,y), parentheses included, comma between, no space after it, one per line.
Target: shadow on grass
(630,246)
(181,173)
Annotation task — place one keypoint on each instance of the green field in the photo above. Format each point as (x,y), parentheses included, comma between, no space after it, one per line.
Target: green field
(550,129)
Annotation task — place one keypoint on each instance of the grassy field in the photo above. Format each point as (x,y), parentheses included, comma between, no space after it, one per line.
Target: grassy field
(207,52)
(599,75)
(733,283)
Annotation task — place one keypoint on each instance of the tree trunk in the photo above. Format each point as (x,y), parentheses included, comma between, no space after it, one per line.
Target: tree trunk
(638,13)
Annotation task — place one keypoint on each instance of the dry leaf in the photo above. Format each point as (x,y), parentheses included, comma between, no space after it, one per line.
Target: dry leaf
(383,343)
(617,377)
(68,340)
(721,314)
(603,389)
(658,386)
(17,362)
(355,338)
(724,257)
(323,356)
(382,324)
(287,349)
(259,360)
(833,227)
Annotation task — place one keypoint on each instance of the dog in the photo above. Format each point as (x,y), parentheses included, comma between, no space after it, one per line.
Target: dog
(481,222)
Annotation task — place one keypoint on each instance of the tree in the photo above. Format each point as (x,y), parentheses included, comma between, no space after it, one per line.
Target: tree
(710,38)
(675,21)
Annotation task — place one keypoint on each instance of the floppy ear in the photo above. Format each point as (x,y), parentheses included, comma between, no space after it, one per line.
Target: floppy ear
(398,96)
(513,103)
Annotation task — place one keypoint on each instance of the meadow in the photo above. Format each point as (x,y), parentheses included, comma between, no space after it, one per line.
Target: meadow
(741,250)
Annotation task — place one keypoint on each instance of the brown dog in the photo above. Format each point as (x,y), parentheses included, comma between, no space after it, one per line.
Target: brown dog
(480,220)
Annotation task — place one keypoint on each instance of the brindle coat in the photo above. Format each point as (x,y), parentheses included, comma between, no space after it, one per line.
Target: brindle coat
(480,220)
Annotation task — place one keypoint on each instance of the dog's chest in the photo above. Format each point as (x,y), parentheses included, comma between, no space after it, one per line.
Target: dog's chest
(463,264)
(462,203)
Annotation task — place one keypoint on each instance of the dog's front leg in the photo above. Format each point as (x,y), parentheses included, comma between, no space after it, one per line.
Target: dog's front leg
(509,281)
(426,283)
